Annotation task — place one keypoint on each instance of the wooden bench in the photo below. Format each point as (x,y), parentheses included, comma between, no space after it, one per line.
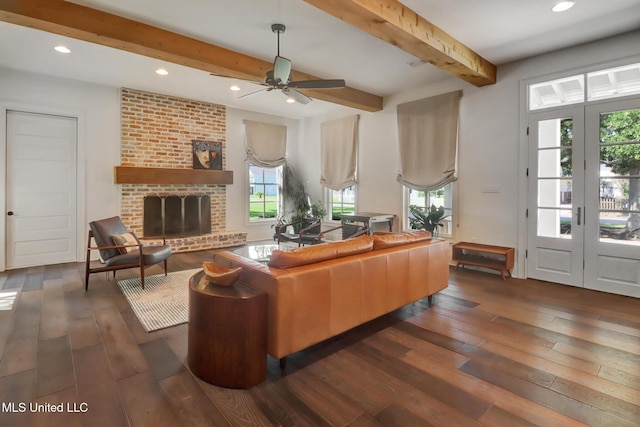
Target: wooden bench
(494,257)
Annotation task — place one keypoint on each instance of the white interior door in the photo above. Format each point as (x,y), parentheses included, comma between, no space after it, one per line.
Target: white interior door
(612,226)
(556,189)
(41,189)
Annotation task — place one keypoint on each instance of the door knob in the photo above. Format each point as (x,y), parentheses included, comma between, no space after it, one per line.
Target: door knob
(10,213)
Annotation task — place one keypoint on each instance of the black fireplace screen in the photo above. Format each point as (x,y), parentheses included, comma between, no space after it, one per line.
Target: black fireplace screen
(177,216)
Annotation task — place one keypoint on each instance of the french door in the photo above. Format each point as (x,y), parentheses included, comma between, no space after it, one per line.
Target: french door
(556,188)
(612,232)
(584,186)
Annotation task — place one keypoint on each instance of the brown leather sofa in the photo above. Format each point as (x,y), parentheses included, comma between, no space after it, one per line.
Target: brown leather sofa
(317,292)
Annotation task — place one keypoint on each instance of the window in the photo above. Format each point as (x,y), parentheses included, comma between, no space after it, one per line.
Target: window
(614,82)
(264,192)
(601,84)
(342,202)
(424,199)
(564,91)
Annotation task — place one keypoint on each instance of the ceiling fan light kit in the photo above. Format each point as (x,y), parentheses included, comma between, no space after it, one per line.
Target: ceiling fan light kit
(279,78)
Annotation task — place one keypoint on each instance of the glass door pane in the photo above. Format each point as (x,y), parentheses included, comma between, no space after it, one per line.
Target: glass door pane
(619,177)
(555,177)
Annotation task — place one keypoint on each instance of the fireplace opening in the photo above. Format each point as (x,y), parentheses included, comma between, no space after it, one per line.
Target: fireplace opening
(177,216)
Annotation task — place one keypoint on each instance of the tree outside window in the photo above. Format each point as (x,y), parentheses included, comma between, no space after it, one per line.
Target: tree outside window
(264,192)
(342,202)
(620,153)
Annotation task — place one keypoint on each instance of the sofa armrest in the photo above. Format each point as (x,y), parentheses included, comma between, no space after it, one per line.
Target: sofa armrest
(278,284)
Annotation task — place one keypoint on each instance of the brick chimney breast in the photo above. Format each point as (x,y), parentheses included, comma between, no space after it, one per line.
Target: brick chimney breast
(156,131)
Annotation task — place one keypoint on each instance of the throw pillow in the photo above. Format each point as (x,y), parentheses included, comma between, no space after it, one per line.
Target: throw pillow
(124,239)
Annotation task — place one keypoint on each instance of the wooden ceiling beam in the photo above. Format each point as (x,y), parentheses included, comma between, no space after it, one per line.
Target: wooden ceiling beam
(91,25)
(400,26)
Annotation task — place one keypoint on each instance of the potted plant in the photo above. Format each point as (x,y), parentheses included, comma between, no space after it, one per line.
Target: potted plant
(295,195)
(318,211)
(304,219)
(426,218)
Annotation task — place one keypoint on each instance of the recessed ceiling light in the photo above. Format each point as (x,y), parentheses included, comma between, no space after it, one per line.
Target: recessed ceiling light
(235,88)
(62,49)
(563,5)
(291,100)
(162,72)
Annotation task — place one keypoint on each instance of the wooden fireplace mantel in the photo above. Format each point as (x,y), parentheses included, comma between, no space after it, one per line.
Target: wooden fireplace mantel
(139,175)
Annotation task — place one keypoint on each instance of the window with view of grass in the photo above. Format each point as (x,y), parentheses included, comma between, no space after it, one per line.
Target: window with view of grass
(342,202)
(440,197)
(264,192)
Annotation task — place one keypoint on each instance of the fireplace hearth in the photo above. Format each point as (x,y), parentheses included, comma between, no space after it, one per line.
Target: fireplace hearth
(177,216)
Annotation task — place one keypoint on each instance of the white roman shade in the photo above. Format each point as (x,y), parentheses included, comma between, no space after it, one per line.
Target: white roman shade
(428,139)
(266,143)
(339,152)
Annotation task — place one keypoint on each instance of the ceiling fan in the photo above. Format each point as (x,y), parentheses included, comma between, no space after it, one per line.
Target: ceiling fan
(279,77)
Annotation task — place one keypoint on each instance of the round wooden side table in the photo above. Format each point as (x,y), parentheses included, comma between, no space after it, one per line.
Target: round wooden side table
(227,333)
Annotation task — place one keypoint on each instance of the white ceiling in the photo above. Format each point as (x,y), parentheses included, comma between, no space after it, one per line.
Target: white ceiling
(499,30)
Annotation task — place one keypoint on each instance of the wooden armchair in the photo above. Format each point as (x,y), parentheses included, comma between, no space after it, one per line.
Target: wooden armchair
(121,249)
(312,233)
(308,234)
(349,231)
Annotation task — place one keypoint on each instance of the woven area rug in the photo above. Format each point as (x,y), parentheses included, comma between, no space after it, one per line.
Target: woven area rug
(163,302)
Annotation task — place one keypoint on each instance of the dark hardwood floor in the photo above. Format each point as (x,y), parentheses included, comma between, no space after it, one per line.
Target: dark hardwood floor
(488,352)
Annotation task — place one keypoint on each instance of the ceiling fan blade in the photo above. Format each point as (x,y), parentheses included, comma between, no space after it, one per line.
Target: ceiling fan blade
(252,93)
(318,84)
(297,96)
(281,69)
(238,78)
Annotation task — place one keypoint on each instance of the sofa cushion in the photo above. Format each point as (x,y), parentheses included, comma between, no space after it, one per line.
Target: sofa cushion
(302,256)
(383,240)
(354,246)
(322,252)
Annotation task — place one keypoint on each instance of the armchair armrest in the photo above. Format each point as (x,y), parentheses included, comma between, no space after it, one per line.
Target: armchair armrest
(364,231)
(328,230)
(360,233)
(138,245)
(310,226)
(308,234)
(115,246)
(281,227)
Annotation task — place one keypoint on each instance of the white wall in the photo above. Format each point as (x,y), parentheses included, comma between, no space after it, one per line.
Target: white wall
(98,111)
(489,146)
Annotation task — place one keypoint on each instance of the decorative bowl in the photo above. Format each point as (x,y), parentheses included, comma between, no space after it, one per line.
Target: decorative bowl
(219,275)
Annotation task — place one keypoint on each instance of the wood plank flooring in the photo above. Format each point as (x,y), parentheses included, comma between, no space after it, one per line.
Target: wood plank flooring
(486,353)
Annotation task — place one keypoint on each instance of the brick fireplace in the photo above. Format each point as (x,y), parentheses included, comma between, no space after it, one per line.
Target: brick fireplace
(156,133)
